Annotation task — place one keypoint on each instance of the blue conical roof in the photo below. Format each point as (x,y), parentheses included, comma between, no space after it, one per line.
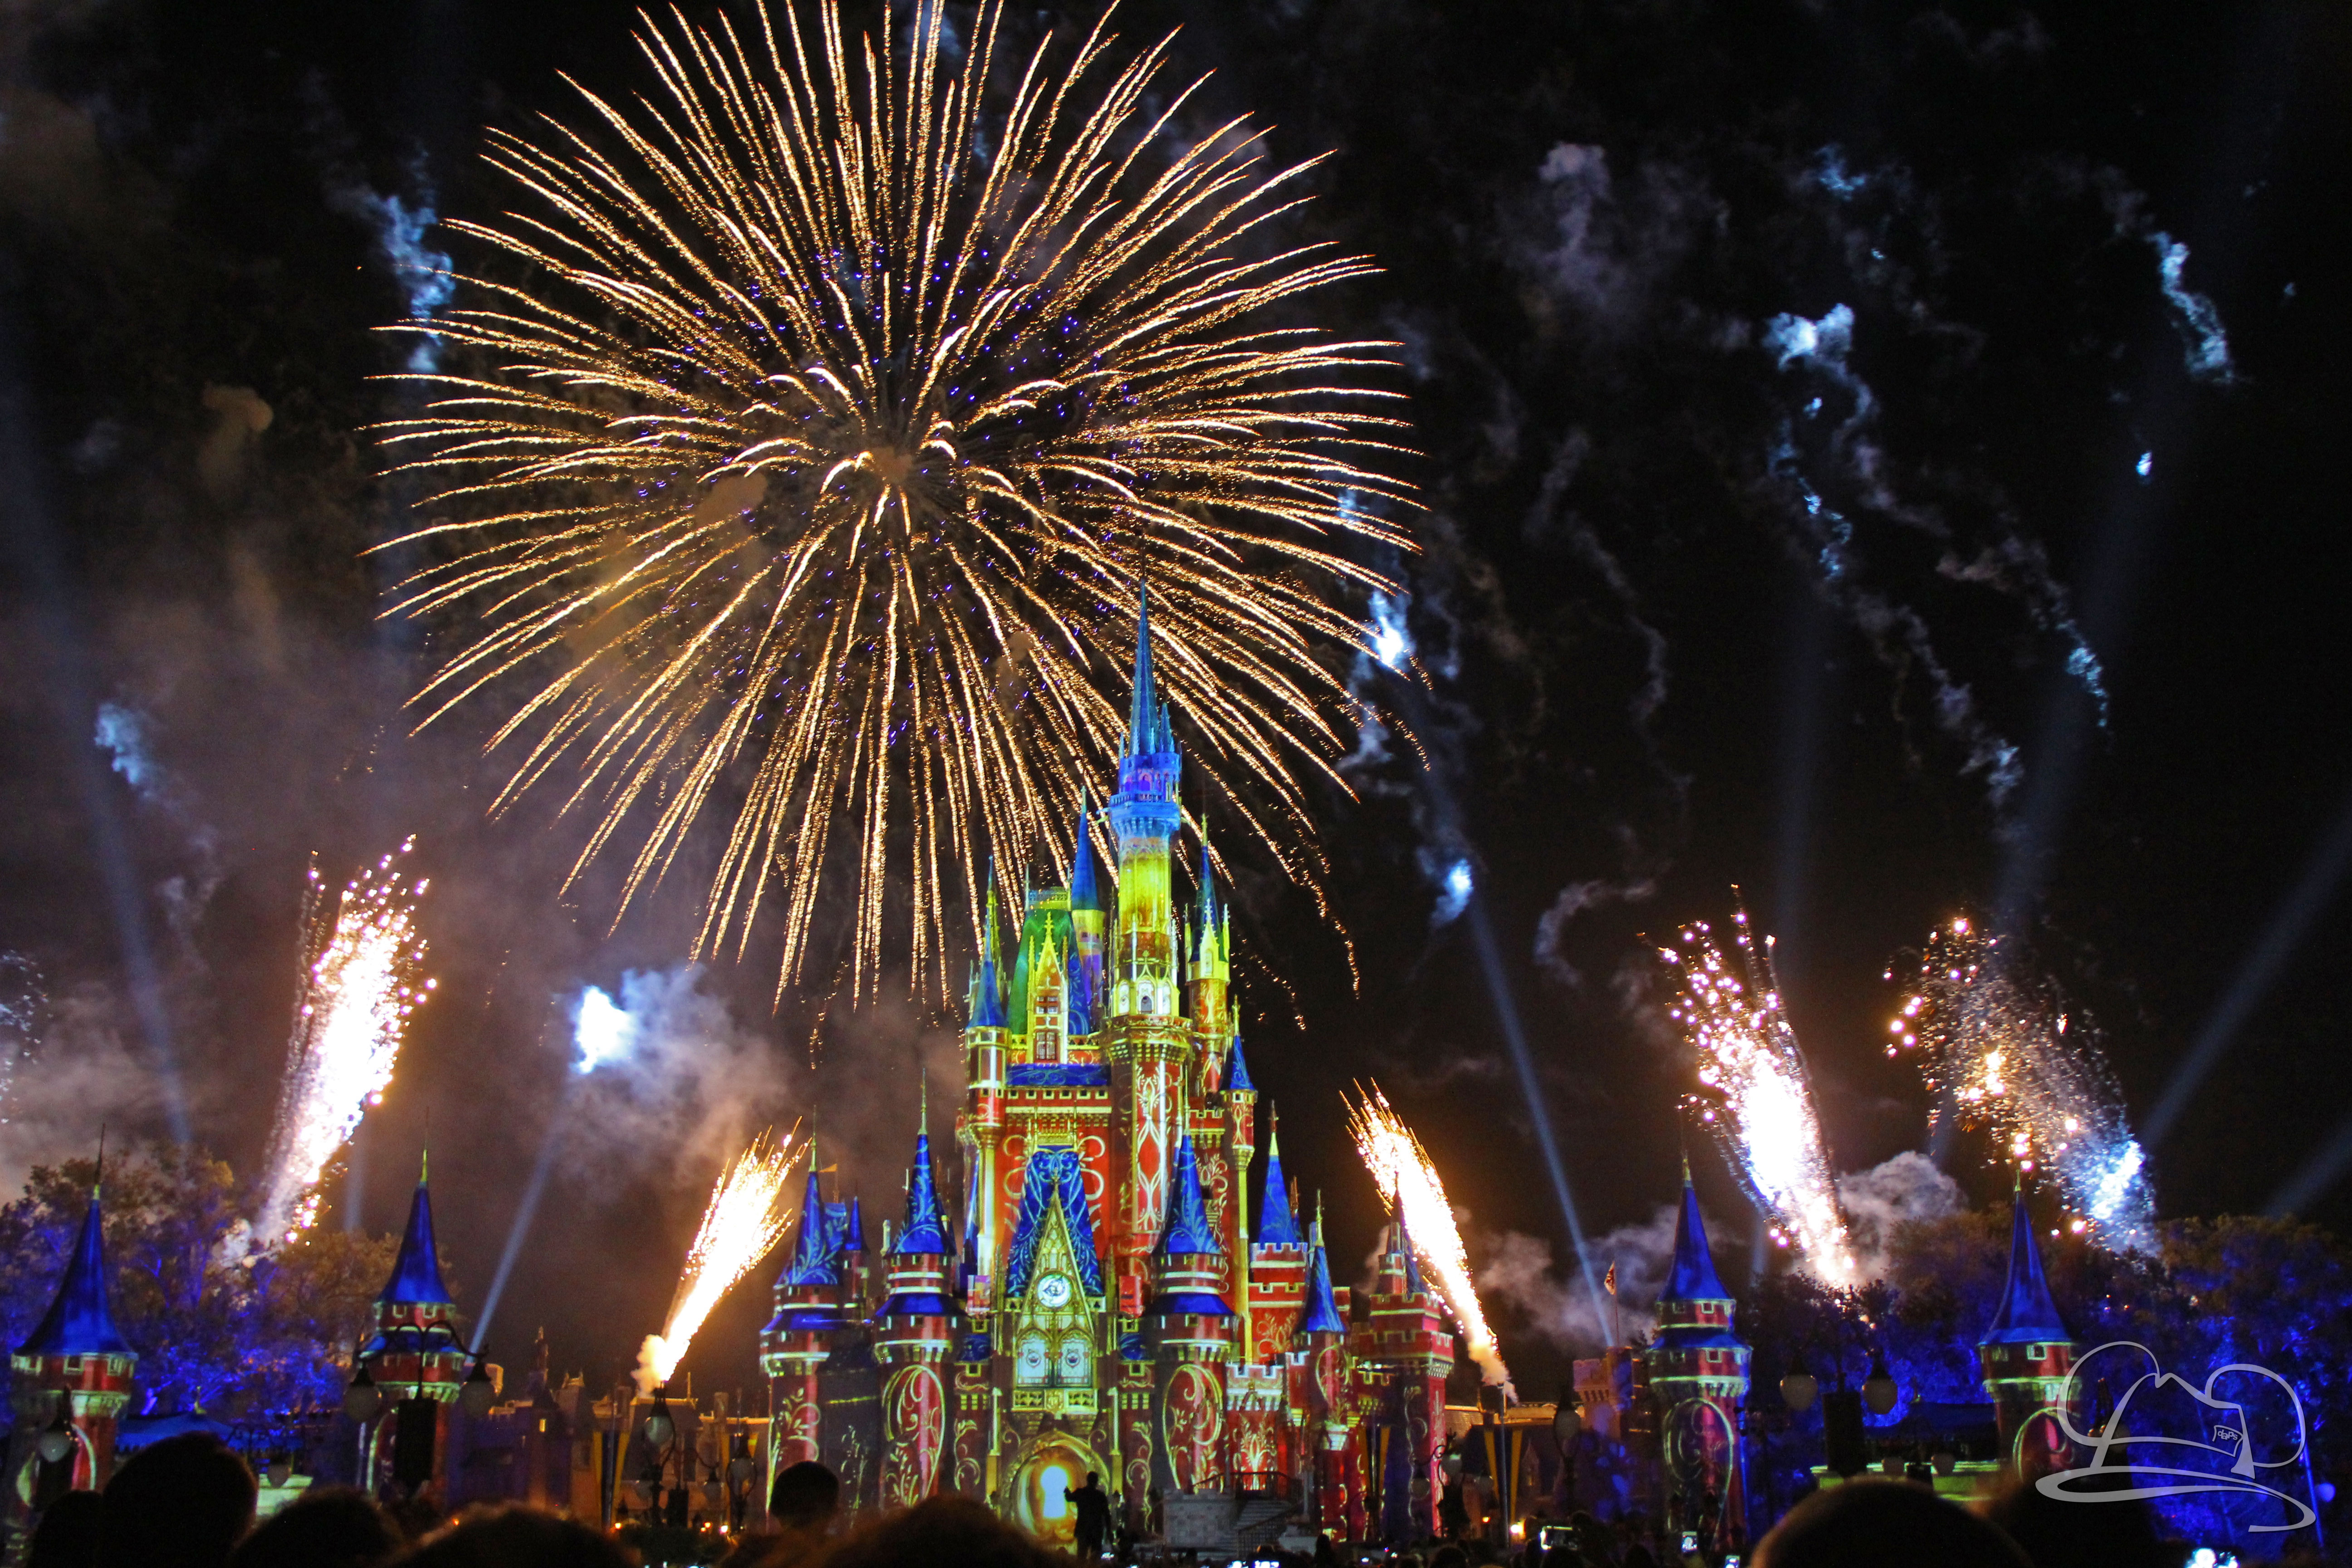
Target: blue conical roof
(1188,1230)
(1277,1225)
(417,1272)
(1693,1277)
(811,1260)
(927,1226)
(80,1322)
(1237,1070)
(852,1227)
(2027,1312)
(1085,891)
(1322,1313)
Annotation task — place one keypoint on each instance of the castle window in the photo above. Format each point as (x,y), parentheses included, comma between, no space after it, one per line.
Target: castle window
(2036,1353)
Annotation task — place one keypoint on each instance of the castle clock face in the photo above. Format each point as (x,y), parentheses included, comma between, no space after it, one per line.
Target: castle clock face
(1053,1290)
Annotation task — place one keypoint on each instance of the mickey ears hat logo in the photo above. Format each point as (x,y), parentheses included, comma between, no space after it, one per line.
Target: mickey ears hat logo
(2168,1438)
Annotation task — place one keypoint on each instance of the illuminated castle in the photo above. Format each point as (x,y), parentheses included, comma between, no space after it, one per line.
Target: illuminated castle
(1102,1303)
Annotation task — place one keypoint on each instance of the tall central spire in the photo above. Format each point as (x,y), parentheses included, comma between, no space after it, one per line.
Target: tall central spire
(1147,721)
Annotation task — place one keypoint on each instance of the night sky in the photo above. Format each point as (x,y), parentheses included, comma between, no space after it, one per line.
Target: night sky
(1884,458)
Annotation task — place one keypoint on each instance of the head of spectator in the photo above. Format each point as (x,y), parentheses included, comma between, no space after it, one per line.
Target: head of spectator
(943,1532)
(1884,1524)
(2056,1534)
(326,1527)
(67,1536)
(513,1535)
(806,1497)
(181,1502)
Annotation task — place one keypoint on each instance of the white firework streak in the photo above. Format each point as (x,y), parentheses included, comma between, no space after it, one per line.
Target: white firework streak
(359,980)
(1407,1179)
(2016,1064)
(746,1218)
(1755,1095)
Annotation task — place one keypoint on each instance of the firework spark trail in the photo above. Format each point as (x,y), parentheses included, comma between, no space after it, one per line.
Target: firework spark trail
(2018,1066)
(814,476)
(746,1218)
(360,979)
(1402,1169)
(1755,1095)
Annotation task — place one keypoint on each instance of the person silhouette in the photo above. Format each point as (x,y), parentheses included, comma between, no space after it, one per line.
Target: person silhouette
(1093,1505)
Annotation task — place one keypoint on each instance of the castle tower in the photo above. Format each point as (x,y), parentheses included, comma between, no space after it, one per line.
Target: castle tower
(2026,1357)
(73,1367)
(1146,1033)
(1409,1340)
(1238,1132)
(1322,1393)
(1089,934)
(1698,1376)
(794,1345)
(1270,1286)
(979,1129)
(1190,1332)
(416,1357)
(1210,961)
(914,1340)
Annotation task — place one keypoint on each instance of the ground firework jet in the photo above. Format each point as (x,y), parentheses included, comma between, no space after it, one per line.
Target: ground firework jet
(359,980)
(2012,1062)
(1754,1093)
(1100,1299)
(836,464)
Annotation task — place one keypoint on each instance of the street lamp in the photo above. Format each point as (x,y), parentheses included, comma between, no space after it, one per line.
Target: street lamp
(57,1439)
(1878,1390)
(658,1427)
(361,1397)
(1799,1388)
(1567,1421)
(479,1393)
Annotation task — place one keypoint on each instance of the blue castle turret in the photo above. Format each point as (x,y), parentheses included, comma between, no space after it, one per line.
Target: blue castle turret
(2027,1357)
(75,1364)
(416,1345)
(1698,1374)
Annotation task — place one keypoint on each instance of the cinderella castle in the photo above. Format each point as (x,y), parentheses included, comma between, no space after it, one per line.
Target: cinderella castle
(1107,1297)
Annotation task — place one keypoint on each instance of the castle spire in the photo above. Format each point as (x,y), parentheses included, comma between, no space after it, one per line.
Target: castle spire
(1188,1231)
(1412,1282)
(985,1009)
(811,1260)
(1237,1076)
(1322,1314)
(81,1320)
(1692,1276)
(927,1224)
(2027,1312)
(1276,1227)
(417,1272)
(1147,721)
(1085,892)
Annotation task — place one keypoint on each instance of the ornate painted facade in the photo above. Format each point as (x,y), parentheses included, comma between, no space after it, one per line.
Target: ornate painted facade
(1101,1302)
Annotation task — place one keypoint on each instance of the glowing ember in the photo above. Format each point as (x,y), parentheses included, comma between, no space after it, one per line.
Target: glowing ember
(746,1218)
(1755,1094)
(359,983)
(2017,1066)
(1401,1170)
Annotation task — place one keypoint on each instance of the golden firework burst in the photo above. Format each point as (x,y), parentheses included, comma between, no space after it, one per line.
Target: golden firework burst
(817,426)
